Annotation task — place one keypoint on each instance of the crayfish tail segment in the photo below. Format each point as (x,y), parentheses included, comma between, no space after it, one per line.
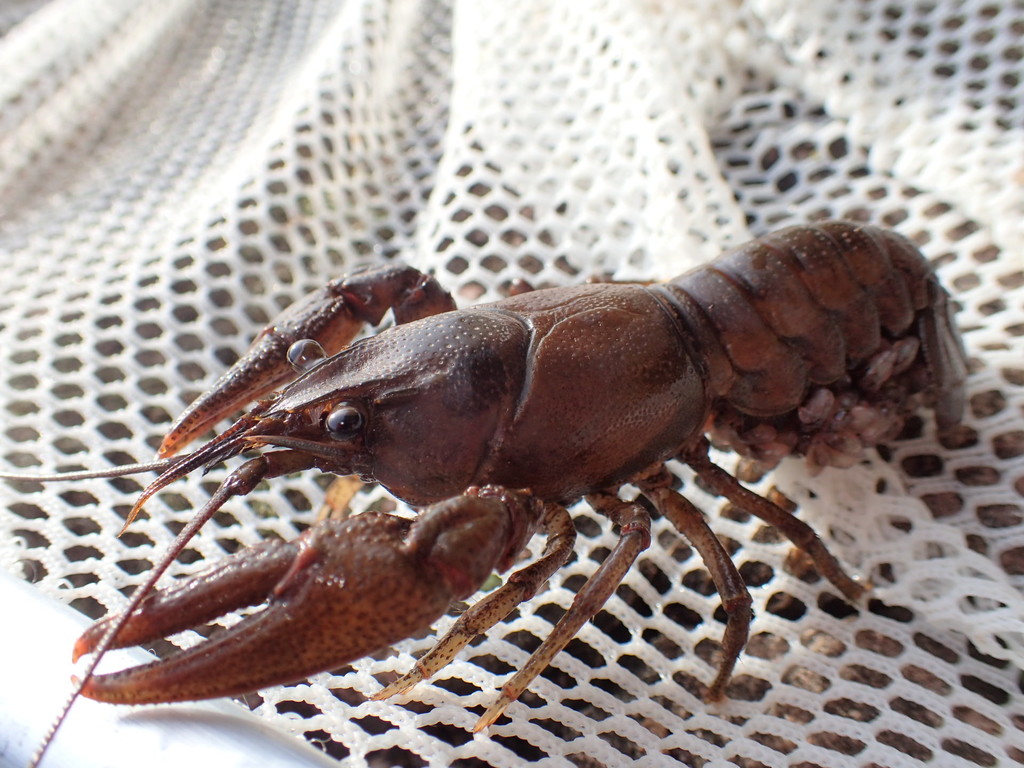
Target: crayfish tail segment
(340,591)
(331,317)
(943,349)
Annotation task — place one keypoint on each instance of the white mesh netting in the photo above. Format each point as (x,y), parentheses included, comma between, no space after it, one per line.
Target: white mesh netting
(174,172)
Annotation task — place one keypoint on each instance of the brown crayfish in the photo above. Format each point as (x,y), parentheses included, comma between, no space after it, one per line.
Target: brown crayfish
(814,341)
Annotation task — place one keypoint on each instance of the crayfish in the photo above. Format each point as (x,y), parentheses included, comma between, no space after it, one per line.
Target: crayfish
(815,341)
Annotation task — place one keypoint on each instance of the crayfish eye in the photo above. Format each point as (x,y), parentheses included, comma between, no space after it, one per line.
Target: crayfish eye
(344,422)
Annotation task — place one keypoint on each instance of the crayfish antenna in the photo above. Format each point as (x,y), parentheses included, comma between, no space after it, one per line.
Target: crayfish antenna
(160,465)
(167,466)
(171,468)
(227,444)
(240,481)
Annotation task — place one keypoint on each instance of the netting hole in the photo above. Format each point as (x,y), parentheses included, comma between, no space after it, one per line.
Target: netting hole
(189,557)
(22,407)
(89,606)
(925,679)
(774,742)
(786,606)
(113,430)
(836,742)
(852,710)
(519,747)
(755,573)
(81,526)
(611,626)
(32,539)
(1000,515)
(68,391)
(637,667)
(690,684)
(747,687)
(612,688)
(392,757)
(958,438)
(823,643)
(689,759)
(835,606)
(559,730)
(1008,445)
(978,476)
(872,678)
(456,685)
(792,714)
(1012,561)
(765,645)
(1014,376)
(985,689)
(922,465)
(976,719)
(69,446)
(322,740)
(899,613)
(699,581)
(656,577)
(943,504)
(153,386)
(968,752)
(805,679)
(682,615)
(230,546)
(28,511)
(133,539)
(591,710)
(906,745)
(917,711)
(33,570)
(79,553)
(662,644)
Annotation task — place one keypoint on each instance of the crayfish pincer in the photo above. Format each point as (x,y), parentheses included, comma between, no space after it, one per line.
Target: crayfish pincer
(814,341)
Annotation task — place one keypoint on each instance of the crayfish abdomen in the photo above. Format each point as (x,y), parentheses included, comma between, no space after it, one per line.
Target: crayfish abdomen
(820,341)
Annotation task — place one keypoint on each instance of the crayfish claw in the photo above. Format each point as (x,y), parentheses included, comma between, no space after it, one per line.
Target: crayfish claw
(324,593)
(321,317)
(324,322)
(233,583)
(337,593)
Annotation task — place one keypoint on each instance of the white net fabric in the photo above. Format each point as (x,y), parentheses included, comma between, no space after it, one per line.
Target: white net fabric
(173,173)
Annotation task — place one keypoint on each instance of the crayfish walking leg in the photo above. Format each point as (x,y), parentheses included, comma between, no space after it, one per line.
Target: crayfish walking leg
(796,530)
(488,611)
(690,522)
(634,537)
